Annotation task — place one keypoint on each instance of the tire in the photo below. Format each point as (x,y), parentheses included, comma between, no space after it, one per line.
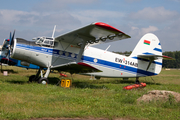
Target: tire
(31,78)
(43,81)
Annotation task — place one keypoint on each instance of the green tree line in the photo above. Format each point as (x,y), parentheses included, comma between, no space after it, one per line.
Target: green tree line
(166,63)
(172,63)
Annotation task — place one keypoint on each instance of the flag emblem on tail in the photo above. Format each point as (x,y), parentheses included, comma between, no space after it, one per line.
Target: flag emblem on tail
(147,42)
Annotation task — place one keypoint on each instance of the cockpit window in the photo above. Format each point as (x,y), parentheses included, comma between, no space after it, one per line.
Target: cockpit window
(43,41)
(46,42)
(51,42)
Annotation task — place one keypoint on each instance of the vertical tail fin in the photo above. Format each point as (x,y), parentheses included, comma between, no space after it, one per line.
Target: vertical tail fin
(149,44)
(149,53)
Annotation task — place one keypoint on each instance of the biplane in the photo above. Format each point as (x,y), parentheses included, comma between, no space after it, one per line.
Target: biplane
(73,52)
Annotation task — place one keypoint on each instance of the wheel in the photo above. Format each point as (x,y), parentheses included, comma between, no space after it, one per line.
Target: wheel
(43,81)
(97,77)
(31,78)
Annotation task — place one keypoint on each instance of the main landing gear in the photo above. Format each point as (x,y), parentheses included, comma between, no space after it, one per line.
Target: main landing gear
(40,79)
(137,80)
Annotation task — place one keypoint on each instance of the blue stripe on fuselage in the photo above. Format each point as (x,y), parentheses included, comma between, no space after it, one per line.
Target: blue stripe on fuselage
(99,62)
(117,66)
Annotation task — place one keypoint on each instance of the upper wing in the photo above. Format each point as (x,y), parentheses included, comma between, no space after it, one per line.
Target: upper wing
(94,33)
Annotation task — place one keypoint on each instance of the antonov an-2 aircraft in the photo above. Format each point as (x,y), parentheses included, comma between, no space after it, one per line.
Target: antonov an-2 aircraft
(72,52)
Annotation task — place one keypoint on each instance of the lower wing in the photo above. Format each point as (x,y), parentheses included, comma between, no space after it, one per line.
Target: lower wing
(74,67)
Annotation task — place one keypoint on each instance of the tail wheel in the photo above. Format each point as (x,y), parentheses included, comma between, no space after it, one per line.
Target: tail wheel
(43,81)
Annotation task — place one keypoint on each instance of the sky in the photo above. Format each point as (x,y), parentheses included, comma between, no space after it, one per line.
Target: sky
(35,18)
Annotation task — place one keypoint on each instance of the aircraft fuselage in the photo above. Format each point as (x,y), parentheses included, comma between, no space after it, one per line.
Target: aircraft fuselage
(111,64)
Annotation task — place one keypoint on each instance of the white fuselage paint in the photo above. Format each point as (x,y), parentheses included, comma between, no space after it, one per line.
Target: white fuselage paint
(111,64)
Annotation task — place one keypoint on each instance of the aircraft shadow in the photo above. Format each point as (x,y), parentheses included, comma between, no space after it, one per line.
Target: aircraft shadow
(83,85)
(100,83)
(86,84)
(17,82)
(133,82)
(9,71)
(77,84)
(123,82)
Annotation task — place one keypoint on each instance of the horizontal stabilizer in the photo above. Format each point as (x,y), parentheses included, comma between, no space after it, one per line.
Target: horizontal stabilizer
(155,57)
(151,58)
(168,58)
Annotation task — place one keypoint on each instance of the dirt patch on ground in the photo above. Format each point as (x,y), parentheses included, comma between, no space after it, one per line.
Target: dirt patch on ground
(69,119)
(79,119)
(161,95)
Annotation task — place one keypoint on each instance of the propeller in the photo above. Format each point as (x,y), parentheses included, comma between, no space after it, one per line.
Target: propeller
(11,41)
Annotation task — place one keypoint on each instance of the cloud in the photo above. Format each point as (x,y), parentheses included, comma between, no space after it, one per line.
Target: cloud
(159,14)
(170,36)
(22,19)
(56,5)
(69,15)
(14,17)
(60,18)
(137,33)
(149,29)
(89,16)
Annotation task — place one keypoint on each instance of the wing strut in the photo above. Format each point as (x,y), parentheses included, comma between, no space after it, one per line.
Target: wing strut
(81,50)
(151,60)
(54,31)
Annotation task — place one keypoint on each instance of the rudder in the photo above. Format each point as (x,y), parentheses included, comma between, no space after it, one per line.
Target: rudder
(148,52)
(148,44)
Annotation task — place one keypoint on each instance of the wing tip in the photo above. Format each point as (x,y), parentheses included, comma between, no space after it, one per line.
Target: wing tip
(107,26)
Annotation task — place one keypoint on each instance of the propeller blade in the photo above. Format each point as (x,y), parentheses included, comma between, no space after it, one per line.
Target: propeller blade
(12,39)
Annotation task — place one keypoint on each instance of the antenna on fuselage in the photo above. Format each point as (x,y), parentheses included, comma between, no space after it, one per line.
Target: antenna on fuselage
(54,31)
(107,48)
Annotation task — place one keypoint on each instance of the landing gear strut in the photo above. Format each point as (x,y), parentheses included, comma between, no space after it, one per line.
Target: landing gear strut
(40,79)
(137,80)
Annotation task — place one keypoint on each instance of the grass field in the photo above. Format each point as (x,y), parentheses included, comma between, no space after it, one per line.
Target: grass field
(86,98)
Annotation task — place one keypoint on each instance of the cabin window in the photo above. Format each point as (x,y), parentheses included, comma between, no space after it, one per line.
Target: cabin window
(43,41)
(46,42)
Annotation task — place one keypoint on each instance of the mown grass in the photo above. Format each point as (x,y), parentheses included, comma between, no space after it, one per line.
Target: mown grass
(103,98)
